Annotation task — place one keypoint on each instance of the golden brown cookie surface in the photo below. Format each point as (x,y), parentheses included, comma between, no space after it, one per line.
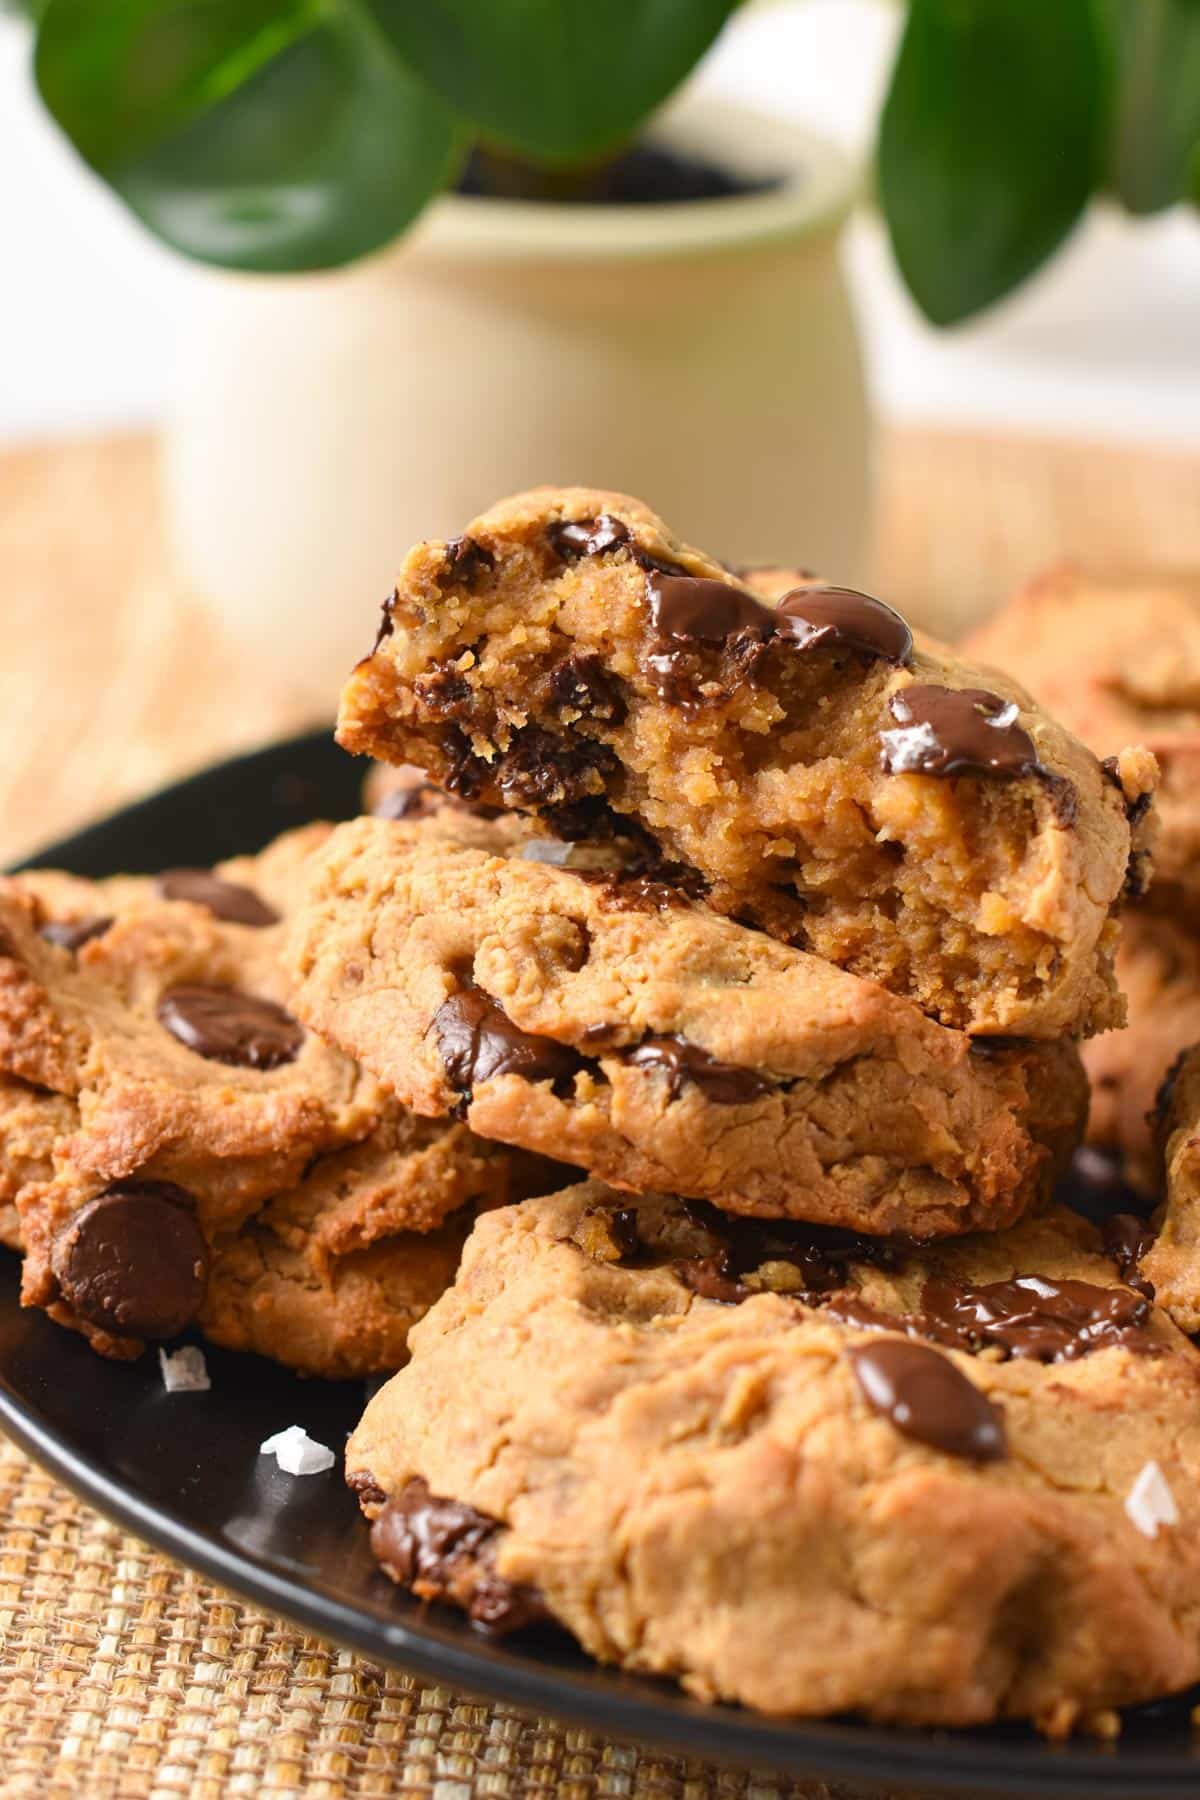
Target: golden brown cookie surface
(918,1492)
(613,1024)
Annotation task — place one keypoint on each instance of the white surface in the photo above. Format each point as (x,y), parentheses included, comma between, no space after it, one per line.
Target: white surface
(184,1371)
(1150,1502)
(297,1453)
(1106,343)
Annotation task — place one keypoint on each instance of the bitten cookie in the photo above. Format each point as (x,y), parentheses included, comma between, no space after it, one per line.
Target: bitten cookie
(615,1025)
(1116,657)
(879,804)
(1171,1259)
(959,1489)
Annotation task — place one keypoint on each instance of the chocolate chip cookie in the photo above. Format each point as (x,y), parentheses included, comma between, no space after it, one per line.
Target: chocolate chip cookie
(810,768)
(954,1487)
(1116,657)
(608,1021)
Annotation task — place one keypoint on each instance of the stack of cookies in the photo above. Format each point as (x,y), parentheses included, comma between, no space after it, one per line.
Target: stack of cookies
(710,975)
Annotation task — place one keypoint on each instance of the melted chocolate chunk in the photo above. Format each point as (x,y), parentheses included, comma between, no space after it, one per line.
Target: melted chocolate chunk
(133,1261)
(445,1550)
(709,1277)
(581,684)
(465,773)
(443,689)
(227,1026)
(465,562)
(957,731)
(725,1083)
(564,783)
(843,619)
(1033,1316)
(75,933)
(1127,1239)
(927,1398)
(573,538)
(726,1258)
(478,1041)
(695,607)
(364,1484)
(226,900)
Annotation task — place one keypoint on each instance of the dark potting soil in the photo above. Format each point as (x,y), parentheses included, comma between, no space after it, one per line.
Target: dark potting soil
(644,175)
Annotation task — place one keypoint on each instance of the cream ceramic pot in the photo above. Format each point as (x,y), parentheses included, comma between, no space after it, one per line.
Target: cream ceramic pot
(702,356)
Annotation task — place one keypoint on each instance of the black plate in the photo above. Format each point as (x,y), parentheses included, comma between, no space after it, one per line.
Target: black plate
(184,1472)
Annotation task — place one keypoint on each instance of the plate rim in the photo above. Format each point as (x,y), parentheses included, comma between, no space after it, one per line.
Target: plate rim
(950,1760)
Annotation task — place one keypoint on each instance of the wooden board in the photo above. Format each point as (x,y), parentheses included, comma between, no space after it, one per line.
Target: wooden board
(113,680)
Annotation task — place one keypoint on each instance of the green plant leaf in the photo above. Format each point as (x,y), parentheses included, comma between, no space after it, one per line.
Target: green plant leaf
(989,144)
(554,80)
(1155,106)
(270,135)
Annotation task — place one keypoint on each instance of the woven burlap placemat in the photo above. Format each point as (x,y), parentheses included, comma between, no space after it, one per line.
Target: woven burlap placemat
(124,1676)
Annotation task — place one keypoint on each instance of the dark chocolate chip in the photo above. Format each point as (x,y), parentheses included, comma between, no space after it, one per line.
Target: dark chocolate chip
(696,607)
(842,619)
(582,685)
(73,934)
(364,1484)
(133,1261)
(445,1550)
(1033,1316)
(927,1398)
(725,1083)
(466,561)
(709,1277)
(478,1041)
(564,783)
(443,689)
(957,731)
(573,538)
(227,1026)
(226,900)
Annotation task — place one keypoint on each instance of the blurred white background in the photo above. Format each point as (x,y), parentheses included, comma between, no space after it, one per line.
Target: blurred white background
(1106,344)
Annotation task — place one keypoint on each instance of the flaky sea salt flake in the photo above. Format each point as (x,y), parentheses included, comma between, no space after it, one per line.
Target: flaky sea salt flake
(297,1453)
(184,1371)
(1150,1502)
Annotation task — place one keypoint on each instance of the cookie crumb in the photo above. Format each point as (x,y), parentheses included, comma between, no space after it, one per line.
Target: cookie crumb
(297,1453)
(1150,1502)
(184,1371)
